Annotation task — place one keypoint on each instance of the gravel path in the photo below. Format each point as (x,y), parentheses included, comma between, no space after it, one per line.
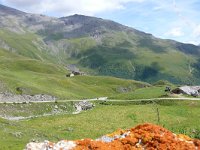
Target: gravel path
(136,100)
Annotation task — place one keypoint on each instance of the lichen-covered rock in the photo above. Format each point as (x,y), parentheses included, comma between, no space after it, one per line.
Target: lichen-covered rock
(146,136)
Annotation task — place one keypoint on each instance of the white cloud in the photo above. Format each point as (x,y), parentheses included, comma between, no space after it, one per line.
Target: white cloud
(175,32)
(157,8)
(67,7)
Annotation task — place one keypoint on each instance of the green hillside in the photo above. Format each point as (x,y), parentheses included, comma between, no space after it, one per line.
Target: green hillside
(35,76)
(121,56)
(28,45)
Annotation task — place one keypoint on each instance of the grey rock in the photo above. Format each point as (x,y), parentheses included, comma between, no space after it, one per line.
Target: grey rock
(9,97)
(123,89)
(106,139)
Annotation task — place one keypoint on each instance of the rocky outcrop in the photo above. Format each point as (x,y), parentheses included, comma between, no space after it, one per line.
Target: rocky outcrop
(146,136)
(9,97)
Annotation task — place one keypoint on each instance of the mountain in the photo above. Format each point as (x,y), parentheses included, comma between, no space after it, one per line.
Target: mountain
(98,47)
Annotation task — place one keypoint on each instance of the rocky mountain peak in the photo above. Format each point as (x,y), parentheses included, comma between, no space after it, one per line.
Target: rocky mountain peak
(92,23)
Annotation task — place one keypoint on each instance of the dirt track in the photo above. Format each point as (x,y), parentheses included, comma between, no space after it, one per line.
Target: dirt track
(136,100)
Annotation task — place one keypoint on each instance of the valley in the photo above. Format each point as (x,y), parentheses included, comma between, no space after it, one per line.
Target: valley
(50,66)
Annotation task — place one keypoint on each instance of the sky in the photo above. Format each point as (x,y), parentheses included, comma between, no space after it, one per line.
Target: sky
(168,19)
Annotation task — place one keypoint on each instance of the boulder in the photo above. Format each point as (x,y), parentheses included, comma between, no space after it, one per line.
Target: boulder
(145,136)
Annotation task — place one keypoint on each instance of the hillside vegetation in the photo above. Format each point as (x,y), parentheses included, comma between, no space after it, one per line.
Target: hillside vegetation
(35,76)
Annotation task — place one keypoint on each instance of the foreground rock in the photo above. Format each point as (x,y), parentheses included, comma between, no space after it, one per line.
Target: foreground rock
(146,136)
(9,97)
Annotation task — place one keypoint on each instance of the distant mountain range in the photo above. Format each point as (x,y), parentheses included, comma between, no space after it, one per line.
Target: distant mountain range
(98,47)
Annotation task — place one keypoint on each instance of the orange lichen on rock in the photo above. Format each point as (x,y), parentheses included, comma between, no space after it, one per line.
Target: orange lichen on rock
(146,136)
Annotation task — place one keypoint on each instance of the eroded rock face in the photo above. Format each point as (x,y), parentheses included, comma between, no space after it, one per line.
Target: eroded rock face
(146,136)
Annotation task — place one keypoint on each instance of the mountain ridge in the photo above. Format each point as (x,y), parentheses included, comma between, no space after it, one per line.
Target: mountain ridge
(9,10)
(99,47)
(14,11)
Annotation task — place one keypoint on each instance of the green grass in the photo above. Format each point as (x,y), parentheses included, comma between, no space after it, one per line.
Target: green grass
(180,117)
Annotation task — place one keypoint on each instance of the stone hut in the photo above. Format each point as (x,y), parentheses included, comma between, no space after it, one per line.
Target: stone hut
(189,90)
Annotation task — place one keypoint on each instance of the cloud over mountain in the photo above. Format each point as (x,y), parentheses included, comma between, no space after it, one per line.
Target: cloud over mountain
(67,7)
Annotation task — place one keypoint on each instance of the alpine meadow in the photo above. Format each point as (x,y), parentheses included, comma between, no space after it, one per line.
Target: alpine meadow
(81,77)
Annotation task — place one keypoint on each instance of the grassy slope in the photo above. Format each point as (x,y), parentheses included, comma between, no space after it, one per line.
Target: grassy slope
(40,77)
(155,91)
(144,93)
(180,117)
(27,44)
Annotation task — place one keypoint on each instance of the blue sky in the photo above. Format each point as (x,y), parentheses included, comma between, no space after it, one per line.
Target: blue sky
(168,19)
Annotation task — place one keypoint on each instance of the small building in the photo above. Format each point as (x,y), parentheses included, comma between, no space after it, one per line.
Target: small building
(75,73)
(189,90)
(78,73)
(70,75)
